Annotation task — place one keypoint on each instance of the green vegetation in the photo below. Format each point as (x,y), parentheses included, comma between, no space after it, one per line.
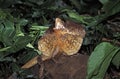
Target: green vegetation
(22,22)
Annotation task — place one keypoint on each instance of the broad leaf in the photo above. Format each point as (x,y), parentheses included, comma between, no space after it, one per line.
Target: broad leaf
(111,7)
(100,60)
(7,33)
(77,17)
(103,1)
(116,60)
(20,43)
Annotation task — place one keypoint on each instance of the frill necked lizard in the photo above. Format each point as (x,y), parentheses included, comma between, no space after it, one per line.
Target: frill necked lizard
(65,38)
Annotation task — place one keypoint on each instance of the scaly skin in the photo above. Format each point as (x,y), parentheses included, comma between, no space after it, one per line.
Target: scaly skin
(65,37)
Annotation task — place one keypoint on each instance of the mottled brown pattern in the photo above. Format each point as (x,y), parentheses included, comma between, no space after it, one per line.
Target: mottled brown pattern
(70,44)
(75,29)
(46,46)
(65,37)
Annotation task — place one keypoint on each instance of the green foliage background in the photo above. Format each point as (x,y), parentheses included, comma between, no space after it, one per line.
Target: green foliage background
(22,22)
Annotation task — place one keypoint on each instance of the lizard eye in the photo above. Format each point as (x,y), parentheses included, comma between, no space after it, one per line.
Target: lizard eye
(59,24)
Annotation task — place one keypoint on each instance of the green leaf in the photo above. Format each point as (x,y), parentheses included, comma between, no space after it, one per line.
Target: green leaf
(100,60)
(27,56)
(1,29)
(31,46)
(4,49)
(9,28)
(5,15)
(18,31)
(111,7)
(39,28)
(20,43)
(2,14)
(103,1)
(7,33)
(2,59)
(15,67)
(116,60)
(23,22)
(76,16)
